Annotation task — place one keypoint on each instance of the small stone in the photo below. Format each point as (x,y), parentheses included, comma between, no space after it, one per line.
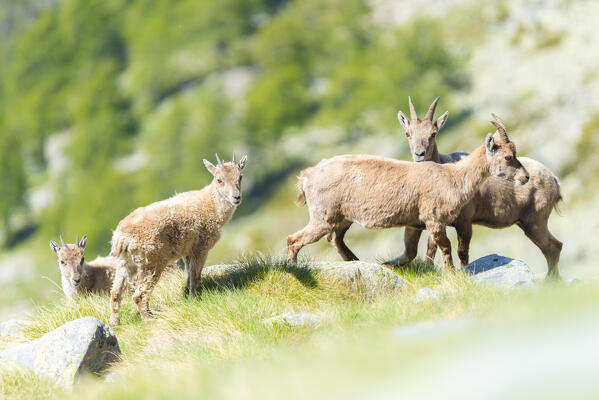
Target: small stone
(573,282)
(429,329)
(81,347)
(426,295)
(496,270)
(295,319)
(12,327)
(112,377)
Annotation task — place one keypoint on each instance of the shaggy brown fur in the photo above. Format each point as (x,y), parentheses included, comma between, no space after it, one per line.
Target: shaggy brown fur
(79,276)
(378,192)
(497,204)
(185,226)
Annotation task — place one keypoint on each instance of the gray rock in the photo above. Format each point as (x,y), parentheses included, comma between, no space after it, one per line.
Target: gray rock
(295,319)
(573,282)
(12,327)
(427,294)
(81,347)
(496,270)
(370,277)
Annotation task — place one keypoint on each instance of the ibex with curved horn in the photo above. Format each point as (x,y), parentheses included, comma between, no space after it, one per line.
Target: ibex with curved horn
(497,204)
(185,226)
(379,192)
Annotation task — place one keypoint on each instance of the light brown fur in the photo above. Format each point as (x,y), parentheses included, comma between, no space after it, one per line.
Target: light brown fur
(497,204)
(186,226)
(379,192)
(79,276)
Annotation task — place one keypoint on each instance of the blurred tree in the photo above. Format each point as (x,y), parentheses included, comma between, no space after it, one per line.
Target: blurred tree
(13,181)
(151,79)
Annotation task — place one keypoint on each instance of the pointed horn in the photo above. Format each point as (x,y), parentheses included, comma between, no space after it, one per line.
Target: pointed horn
(499,121)
(431,110)
(218,161)
(500,128)
(61,241)
(413,115)
(233,161)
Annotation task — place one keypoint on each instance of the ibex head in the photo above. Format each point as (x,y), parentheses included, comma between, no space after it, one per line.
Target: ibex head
(501,154)
(70,259)
(421,132)
(227,178)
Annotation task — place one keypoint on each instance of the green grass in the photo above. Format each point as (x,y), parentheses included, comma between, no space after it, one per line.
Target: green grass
(218,347)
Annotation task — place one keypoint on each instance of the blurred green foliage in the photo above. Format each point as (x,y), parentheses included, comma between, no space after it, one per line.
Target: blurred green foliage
(152,79)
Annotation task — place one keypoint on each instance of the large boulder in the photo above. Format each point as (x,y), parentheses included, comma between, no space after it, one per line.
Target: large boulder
(81,347)
(496,270)
(369,277)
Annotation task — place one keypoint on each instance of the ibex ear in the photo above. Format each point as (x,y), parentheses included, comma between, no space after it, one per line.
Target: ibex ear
(211,168)
(441,120)
(242,162)
(403,120)
(83,242)
(54,246)
(490,144)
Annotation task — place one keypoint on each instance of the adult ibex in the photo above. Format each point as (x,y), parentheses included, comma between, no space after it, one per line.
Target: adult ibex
(379,192)
(497,204)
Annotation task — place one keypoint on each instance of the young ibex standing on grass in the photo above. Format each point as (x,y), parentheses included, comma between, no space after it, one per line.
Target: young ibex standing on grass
(497,204)
(79,276)
(379,192)
(186,225)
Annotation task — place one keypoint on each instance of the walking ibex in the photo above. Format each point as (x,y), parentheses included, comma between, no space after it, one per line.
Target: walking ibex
(379,192)
(497,204)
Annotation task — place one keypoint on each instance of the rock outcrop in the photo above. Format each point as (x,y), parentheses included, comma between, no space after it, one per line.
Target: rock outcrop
(496,270)
(81,347)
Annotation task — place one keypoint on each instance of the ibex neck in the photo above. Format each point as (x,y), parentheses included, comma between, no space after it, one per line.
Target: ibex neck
(224,208)
(87,278)
(435,156)
(471,172)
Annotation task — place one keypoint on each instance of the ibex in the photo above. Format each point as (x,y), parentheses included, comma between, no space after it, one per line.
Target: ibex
(79,276)
(186,226)
(379,192)
(497,204)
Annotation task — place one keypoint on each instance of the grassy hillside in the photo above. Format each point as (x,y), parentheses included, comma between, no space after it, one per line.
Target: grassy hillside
(219,347)
(109,105)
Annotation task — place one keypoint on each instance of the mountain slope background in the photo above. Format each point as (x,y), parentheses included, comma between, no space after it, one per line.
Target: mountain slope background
(109,105)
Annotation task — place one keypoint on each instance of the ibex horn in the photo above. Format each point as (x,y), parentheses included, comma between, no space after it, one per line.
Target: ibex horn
(431,110)
(218,161)
(413,115)
(500,127)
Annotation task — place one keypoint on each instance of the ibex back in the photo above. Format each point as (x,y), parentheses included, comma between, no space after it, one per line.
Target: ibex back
(379,192)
